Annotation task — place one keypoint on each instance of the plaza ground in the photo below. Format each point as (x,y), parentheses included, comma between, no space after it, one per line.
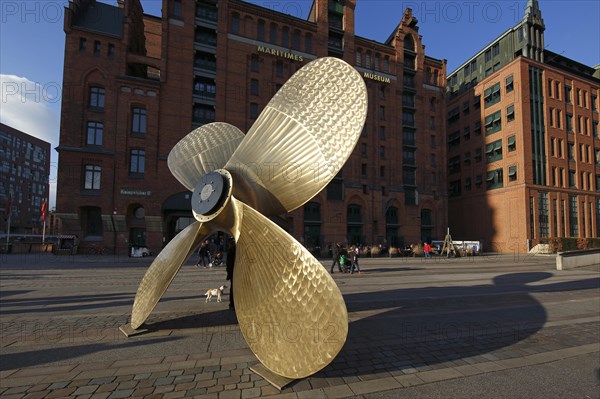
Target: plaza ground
(510,325)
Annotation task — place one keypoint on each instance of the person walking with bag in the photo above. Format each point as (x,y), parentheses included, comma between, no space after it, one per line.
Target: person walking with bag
(336,252)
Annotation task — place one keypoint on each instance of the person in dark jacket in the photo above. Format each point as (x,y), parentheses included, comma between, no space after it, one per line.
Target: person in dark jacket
(336,252)
(230,263)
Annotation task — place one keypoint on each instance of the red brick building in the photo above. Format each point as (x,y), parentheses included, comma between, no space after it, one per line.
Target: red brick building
(523,143)
(136,84)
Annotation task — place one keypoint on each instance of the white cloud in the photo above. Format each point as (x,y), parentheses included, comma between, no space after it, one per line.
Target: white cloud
(34,109)
(27,106)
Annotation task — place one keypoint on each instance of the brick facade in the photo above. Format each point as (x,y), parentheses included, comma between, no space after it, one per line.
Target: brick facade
(222,61)
(517,173)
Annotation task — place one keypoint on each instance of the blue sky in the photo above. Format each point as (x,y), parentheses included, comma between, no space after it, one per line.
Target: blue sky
(32,43)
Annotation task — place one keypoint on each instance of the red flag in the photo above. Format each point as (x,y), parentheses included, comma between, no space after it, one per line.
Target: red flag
(44,207)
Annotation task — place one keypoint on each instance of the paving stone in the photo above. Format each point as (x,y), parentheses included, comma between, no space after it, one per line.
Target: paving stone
(338,391)
(33,395)
(143,391)
(59,385)
(215,388)
(107,387)
(60,393)
(14,396)
(102,380)
(234,394)
(124,378)
(164,389)
(204,377)
(15,390)
(172,395)
(86,390)
(250,393)
(121,394)
(439,375)
(164,381)
(127,385)
(363,387)
(205,383)
(268,390)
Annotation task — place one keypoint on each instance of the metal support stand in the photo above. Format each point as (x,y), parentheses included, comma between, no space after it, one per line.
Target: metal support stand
(276,380)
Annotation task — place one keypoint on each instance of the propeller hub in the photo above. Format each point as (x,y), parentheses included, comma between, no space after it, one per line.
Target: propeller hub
(210,193)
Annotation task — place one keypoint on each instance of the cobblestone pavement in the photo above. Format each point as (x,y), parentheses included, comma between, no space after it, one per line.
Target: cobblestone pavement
(412,322)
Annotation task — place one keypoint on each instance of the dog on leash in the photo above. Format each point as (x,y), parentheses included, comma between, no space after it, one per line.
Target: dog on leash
(215,292)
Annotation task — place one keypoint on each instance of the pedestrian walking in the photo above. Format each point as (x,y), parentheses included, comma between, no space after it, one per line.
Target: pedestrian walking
(354,262)
(427,250)
(203,255)
(336,253)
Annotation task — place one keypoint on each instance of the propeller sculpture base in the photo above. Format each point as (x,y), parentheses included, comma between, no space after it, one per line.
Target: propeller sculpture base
(276,380)
(130,331)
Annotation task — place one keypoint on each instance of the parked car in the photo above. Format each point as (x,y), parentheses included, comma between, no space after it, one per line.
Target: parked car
(139,252)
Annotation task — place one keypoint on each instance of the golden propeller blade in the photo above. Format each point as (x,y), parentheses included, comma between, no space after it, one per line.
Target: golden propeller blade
(206,148)
(302,138)
(161,272)
(290,311)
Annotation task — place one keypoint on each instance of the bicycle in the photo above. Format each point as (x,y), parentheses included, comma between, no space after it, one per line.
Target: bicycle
(96,250)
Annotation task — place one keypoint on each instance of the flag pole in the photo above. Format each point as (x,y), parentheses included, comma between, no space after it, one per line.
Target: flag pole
(44,209)
(8,232)
(9,210)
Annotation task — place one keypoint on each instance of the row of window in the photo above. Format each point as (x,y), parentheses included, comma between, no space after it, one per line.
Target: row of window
(585,151)
(582,181)
(95,129)
(568,217)
(584,125)
(277,35)
(93,173)
(493,152)
(579,97)
(110,52)
(493,179)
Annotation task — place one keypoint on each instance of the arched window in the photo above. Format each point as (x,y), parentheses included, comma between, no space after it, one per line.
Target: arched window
(359,57)
(426,225)
(260,31)
(312,227)
(308,43)
(354,227)
(409,43)
(235,23)
(285,37)
(392,227)
(386,64)
(273,33)
(296,40)
(377,62)
(368,60)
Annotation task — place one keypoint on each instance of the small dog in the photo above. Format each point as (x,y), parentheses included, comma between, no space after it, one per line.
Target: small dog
(215,292)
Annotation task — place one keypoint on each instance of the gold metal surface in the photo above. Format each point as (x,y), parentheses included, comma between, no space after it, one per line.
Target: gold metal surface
(161,272)
(290,310)
(206,148)
(301,139)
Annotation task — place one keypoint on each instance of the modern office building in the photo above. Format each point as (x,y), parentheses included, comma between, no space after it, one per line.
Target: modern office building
(136,84)
(24,180)
(523,143)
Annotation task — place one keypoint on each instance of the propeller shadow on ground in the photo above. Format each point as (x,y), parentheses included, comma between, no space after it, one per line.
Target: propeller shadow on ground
(60,354)
(434,325)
